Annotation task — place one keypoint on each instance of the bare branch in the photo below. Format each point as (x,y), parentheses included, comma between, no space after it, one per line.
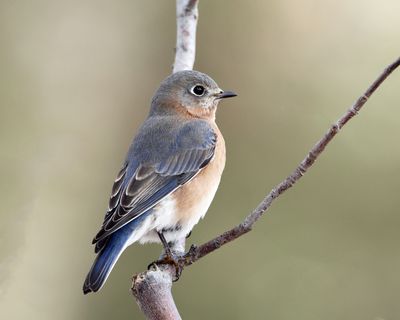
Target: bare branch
(195,254)
(186,18)
(152,290)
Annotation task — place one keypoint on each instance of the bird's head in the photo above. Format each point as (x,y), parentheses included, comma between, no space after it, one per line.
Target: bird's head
(189,91)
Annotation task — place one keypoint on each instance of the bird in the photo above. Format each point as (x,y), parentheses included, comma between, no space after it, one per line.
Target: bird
(170,174)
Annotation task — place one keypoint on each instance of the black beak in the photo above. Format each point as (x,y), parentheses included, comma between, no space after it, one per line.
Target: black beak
(226,94)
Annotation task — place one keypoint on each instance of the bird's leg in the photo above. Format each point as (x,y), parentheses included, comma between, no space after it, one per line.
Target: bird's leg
(167,248)
(169,257)
(178,247)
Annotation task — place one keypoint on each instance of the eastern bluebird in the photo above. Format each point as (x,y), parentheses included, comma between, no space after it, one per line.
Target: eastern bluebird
(170,175)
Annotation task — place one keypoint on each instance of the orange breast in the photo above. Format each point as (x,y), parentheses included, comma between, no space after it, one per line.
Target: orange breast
(195,196)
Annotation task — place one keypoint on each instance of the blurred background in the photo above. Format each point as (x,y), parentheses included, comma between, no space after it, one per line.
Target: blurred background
(76,78)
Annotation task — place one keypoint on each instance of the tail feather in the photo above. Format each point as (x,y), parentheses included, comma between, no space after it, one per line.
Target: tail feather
(103,264)
(110,252)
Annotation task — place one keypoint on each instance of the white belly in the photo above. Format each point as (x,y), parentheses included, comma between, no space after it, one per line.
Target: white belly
(166,217)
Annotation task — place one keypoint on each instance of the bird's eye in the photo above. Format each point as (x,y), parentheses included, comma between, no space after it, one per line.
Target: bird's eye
(198,90)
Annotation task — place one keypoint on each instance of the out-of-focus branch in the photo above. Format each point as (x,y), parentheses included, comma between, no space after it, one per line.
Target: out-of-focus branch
(186,19)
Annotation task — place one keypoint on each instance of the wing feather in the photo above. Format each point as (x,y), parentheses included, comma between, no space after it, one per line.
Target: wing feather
(140,184)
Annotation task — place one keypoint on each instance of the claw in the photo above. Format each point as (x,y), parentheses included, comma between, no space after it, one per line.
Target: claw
(192,249)
(171,259)
(152,266)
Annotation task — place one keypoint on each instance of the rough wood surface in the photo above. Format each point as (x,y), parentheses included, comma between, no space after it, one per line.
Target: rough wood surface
(152,290)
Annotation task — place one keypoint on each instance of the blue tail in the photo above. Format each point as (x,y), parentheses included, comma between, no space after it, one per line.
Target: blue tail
(104,263)
(109,255)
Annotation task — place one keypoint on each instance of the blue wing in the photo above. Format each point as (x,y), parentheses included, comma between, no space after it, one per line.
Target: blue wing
(164,156)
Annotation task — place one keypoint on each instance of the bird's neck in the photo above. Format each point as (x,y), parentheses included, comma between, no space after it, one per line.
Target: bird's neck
(202,113)
(169,108)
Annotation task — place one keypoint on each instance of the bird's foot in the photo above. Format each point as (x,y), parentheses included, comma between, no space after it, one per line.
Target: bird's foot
(169,258)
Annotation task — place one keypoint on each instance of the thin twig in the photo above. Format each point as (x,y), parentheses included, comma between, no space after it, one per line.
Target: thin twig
(195,253)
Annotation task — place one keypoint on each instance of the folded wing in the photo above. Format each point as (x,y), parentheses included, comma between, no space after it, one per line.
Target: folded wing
(154,170)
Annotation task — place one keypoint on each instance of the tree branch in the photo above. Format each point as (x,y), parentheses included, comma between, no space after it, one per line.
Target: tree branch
(152,288)
(186,18)
(195,253)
